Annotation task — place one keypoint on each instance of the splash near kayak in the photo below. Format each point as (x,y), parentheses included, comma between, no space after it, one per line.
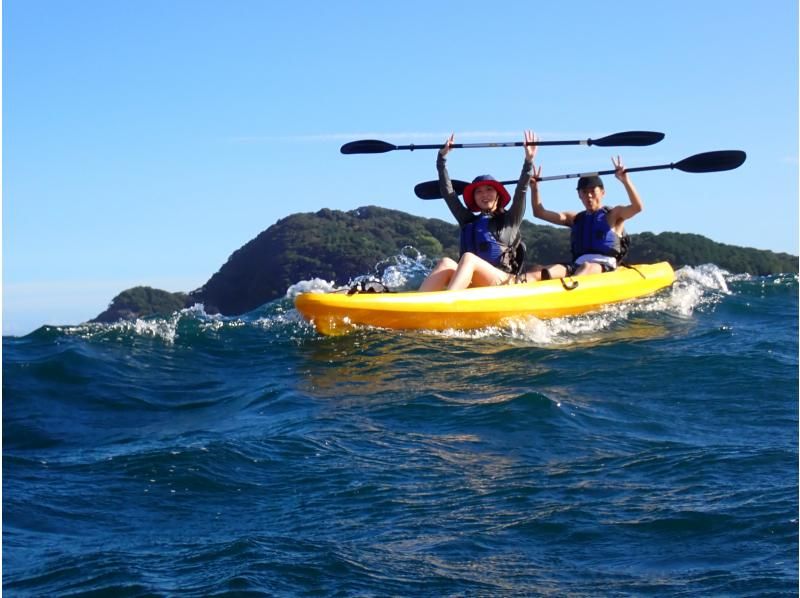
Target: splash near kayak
(480,307)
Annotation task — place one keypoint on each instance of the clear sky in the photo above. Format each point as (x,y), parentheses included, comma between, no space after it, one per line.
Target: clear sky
(146,140)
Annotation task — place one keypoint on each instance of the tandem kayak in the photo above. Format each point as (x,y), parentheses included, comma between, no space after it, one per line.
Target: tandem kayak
(337,313)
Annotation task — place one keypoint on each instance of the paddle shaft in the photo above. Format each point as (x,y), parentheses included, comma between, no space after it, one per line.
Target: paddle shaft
(705,162)
(458,186)
(558,177)
(413,147)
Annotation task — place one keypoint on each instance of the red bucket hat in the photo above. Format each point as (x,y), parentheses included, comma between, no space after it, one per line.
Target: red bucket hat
(485,179)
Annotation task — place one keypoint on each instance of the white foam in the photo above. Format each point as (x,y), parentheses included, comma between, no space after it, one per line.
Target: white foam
(694,288)
(163,328)
(409,267)
(708,276)
(315,285)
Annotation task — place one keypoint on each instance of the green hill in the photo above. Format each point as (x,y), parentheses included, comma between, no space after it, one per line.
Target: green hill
(142,301)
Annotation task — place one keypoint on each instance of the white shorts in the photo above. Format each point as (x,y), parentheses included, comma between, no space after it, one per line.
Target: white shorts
(596,258)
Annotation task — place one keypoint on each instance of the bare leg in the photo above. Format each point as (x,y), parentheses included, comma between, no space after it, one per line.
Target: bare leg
(588,268)
(439,278)
(476,272)
(534,273)
(553,272)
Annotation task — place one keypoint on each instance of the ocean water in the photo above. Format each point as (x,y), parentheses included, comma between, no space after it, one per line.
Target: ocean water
(650,449)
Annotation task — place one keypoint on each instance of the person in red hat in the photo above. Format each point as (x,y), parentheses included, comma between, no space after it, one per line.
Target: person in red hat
(492,251)
(598,238)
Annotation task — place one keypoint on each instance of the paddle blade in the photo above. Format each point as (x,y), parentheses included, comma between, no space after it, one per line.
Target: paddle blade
(367,146)
(631,138)
(712,161)
(430,189)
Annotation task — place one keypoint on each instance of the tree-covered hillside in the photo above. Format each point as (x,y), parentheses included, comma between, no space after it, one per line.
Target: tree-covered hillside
(138,301)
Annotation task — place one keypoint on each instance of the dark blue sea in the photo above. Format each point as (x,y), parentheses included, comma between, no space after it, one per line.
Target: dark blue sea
(650,449)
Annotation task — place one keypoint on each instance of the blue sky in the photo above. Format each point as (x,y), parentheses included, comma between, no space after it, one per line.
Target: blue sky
(146,140)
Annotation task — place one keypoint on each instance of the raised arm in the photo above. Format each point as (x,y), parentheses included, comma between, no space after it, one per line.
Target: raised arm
(461,214)
(517,210)
(445,185)
(619,214)
(562,218)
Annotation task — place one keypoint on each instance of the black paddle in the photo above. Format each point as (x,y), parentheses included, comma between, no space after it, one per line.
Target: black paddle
(630,138)
(705,162)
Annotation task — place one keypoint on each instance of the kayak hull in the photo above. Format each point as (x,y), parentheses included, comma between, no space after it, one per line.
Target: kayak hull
(338,313)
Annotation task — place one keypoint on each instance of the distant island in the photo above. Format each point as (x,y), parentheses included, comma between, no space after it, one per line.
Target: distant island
(339,246)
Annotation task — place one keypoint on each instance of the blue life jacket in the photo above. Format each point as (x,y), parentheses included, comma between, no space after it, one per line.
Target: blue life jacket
(591,233)
(480,237)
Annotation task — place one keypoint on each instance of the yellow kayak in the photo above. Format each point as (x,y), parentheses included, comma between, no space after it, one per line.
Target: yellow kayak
(338,313)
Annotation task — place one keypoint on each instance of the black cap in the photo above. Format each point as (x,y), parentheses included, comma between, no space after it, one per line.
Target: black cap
(590,181)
